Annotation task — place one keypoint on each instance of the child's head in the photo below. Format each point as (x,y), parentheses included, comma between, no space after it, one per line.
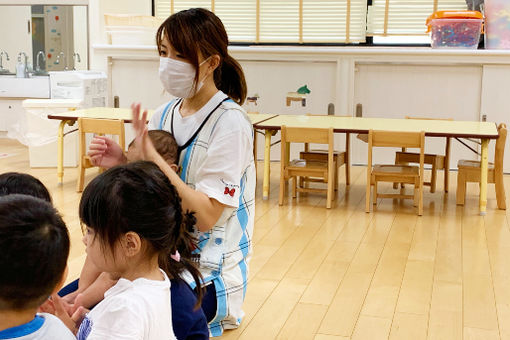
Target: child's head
(165,145)
(198,33)
(134,210)
(34,245)
(18,183)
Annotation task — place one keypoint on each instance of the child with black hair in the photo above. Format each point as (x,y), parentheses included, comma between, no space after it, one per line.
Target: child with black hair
(35,246)
(19,183)
(139,235)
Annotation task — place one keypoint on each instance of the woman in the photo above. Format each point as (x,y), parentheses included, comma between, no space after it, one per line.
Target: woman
(215,139)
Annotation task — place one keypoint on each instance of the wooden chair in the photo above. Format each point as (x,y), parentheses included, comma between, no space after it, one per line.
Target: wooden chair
(396,173)
(308,168)
(469,171)
(100,127)
(438,162)
(341,158)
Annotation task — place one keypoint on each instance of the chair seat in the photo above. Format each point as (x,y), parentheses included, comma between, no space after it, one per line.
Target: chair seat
(309,165)
(401,170)
(413,157)
(465,163)
(322,156)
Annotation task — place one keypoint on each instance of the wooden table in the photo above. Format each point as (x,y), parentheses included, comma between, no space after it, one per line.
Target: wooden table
(70,117)
(433,128)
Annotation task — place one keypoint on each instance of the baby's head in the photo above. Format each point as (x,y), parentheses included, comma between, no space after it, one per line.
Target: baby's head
(19,183)
(35,245)
(165,145)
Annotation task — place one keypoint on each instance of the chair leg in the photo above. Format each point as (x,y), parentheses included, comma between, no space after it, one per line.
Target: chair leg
(446,177)
(294,185)
(282,189)
(367,194)
(500,192)
(331,189)
(81,177)
(416,199)
(375,193)
(461,188)
(336,179)
(433,177)
(420,199)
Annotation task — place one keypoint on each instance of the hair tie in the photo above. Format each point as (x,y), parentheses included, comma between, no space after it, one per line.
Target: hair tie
(176,256)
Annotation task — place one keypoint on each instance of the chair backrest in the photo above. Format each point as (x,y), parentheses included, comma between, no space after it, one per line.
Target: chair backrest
(306,135)
(396,139)
(101,127)
(426,118)
(500,148)
(430,118)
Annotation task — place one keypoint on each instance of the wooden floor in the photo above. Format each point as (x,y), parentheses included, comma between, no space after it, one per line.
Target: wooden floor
(344,274)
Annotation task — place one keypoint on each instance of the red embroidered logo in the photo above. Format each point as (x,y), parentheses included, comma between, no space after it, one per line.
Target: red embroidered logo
(229,191)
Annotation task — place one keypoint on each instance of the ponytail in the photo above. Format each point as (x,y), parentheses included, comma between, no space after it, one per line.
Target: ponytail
(229,78)
(184,243)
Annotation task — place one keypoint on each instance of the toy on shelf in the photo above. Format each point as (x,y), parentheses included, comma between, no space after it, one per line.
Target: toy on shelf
(299,95)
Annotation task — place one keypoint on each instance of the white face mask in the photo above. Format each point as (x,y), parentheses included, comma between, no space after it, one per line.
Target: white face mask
(178,77)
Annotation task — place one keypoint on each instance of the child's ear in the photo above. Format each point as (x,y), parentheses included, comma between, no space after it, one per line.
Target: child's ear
(131,243)
(62,281)
(174,167)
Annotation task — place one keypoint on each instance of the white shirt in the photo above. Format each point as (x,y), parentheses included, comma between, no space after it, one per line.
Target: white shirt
(52,328)
(227,143)
(139,309)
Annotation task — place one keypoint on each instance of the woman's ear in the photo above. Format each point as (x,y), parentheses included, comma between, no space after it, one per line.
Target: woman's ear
(214,61)
(131,244)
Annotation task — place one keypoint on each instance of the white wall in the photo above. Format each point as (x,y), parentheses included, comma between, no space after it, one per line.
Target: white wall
(80,36)
(15,36)
(97,10)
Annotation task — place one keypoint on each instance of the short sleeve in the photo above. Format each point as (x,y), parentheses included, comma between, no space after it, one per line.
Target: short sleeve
(229,154)
(121,322)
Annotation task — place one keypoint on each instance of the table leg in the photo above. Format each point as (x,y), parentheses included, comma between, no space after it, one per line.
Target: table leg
(60,152)
(267,169)
(483,176)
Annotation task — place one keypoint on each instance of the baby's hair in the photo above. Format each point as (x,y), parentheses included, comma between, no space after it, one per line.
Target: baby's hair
(138,197)
(35,245)
(19,183)
(165,145)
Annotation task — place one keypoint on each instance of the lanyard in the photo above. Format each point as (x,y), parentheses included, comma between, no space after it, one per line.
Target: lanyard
(180,148)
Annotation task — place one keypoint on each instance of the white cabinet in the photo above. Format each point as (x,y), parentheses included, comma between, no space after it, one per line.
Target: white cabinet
(496,102)
(10,111)
(396,91)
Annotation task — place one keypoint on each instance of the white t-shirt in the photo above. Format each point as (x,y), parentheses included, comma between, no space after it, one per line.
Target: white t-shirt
(229,141)
(43,327)
(139,309)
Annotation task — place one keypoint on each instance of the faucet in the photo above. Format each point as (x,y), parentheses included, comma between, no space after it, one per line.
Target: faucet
(62,54)
(76,56)
(25,71)
(38,66)
(2,69)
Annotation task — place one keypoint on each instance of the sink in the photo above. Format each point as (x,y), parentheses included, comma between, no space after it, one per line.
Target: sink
(33,87)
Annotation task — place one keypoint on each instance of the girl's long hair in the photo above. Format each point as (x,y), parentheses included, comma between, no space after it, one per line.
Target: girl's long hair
(138,197)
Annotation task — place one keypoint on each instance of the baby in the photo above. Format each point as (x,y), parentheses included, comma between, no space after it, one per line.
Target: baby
(165,145)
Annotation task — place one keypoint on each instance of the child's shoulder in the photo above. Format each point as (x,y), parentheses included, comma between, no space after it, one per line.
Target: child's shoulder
(44,326)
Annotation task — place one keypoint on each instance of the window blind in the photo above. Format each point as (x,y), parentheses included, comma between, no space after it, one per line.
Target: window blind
(282,21)
(405,17)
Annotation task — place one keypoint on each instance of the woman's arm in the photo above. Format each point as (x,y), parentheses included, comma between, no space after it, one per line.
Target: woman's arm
(207,210)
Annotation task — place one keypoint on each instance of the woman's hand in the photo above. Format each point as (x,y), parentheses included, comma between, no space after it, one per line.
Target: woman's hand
(104,152)
(143,142)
